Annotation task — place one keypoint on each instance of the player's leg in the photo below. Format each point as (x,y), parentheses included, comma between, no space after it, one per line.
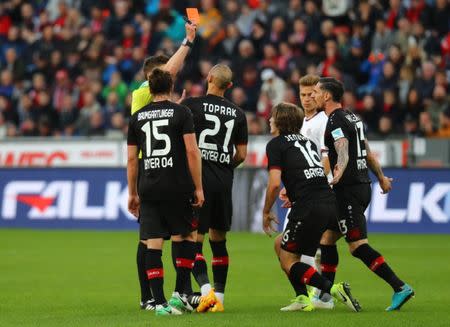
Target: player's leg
(355,230)
(303,235)
(220,223)
(328,262)
(200,269)
(153,230)
(182,224)
(376,263)
(147,300)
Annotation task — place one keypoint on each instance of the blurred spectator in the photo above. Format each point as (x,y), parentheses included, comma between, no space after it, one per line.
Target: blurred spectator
(383,38)
(425,83)
(96,125)
(116,85)
(6,84)
(90,106)
(438,105)
(273,86)
(68,115)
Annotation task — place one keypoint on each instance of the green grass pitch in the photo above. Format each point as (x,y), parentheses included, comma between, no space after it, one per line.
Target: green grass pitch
(74,278)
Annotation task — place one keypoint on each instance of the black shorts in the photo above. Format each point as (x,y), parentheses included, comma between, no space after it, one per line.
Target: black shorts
(162,219)
(306,224)
(352,203)
(216,212)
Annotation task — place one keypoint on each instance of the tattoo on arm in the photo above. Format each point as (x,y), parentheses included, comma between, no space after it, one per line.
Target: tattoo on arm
(373,163)
(341,147)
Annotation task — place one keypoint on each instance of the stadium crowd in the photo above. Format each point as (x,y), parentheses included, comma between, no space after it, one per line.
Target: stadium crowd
(67,68)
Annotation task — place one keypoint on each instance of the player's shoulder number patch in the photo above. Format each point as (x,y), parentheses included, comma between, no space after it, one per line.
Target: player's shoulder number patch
(337,134)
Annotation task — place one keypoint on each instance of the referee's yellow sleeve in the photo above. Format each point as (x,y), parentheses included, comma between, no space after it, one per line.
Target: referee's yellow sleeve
(140,98)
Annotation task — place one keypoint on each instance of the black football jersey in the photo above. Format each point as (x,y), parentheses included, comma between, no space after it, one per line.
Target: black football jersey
(301,169)
(157,129)
(344,123)
(219,126)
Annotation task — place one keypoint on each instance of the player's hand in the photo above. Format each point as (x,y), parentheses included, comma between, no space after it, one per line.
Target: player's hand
(283,197)
(134,205)
(337,174)
(190,31)
(199,198)
(386,184)
(183,96)
(268,227)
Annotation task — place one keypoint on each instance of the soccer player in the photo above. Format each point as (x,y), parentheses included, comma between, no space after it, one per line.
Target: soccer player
(140,98)
(313,127)
(350,157)
(221,129)
(293,159)
(169,175)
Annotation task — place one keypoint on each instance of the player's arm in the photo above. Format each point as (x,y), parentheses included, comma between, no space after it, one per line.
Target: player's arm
(240,141)
(375,167)
(326,164)
(132,173)
(273,152)
(132,170)
(195,166)
(176,61)
(341,147)
(273,187)
(240,154)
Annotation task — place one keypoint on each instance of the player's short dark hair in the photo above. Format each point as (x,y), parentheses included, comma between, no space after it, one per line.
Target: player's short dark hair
(333,86)
(160,82)
(152,62)
(288,118)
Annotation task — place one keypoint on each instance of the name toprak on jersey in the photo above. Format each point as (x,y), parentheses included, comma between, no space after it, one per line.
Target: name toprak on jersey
(210,151)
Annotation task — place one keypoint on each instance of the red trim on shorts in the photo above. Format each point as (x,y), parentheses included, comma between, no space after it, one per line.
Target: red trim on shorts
(376,263)
(328,268)
(275,167)
(184,263)
(155,273)
(199,257)
(307,275)
(220,261)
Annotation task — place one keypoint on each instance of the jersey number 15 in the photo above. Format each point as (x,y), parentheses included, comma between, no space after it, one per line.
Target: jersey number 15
(150,129)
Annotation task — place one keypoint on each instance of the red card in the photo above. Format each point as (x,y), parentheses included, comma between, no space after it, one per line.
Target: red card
(193,15)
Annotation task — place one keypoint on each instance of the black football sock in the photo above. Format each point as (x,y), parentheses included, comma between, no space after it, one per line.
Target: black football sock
(155,274)
(200,271)
(309,276)
(329,260)
(219,265)
(299,288)
(185,252)
(376,263)
(146,294)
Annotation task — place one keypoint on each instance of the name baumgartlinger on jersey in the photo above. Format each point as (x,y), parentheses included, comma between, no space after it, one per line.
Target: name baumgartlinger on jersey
(222,110)
(159,113)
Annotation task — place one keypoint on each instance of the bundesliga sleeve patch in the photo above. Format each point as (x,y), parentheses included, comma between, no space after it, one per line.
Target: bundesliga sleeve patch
(337,134)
